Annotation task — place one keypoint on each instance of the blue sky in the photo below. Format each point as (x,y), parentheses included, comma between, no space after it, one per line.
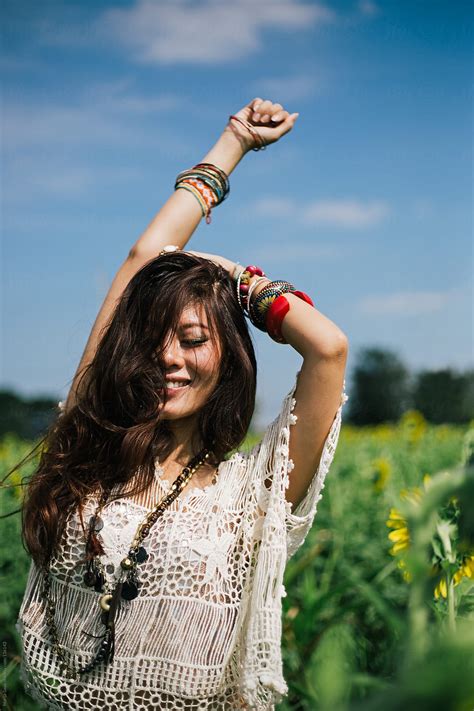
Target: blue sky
(366,204)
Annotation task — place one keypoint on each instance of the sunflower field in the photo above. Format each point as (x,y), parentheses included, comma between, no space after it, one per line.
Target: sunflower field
(379,606)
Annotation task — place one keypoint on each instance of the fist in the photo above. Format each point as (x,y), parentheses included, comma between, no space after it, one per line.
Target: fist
(271,121)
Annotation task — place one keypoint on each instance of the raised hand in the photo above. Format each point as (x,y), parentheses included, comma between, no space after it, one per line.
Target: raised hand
(223,261)
(271,121)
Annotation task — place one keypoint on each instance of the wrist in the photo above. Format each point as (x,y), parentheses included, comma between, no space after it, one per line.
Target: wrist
(261,285)
(238,135)
(227,152)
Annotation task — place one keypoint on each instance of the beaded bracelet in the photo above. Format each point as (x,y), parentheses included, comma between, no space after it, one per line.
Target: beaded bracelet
(243,281)
(265,298)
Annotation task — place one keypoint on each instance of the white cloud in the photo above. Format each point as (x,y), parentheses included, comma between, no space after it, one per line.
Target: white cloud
(345,213)
(100,115)
(350,213)
(54,175)
(49,146)
(405,303)
(208,32)
(119,96)
(275,207)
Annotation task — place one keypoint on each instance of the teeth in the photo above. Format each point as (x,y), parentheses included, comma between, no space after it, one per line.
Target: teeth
(176,384)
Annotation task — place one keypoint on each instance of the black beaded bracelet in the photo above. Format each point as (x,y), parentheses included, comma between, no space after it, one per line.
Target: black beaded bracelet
(264,299)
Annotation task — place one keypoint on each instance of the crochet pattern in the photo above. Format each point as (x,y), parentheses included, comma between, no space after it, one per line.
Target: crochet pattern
(205,630)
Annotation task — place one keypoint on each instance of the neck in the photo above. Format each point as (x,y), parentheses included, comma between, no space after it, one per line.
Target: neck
(186,440)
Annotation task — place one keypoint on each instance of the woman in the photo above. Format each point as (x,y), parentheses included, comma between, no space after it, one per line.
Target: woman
(158,556)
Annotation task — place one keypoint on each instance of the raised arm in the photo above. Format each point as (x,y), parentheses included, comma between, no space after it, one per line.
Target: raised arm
(178,218)
(324,348)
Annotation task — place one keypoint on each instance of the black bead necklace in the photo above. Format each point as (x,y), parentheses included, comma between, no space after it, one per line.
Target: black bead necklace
(126,586)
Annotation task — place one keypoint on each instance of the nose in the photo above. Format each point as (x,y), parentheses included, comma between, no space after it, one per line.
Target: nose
(173,354)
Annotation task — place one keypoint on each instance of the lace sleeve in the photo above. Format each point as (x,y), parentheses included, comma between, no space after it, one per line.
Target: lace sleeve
(272,455)
(300,520)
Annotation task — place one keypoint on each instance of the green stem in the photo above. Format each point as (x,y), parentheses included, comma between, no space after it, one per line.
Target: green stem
(451,607)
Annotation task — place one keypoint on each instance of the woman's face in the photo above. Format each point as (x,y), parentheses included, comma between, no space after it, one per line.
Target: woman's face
(191,361)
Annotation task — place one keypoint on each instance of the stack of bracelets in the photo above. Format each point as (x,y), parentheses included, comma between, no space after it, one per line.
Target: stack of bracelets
(268,309)
(208,183)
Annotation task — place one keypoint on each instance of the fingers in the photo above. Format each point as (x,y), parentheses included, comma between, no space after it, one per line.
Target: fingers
(268,112)
(288,124)
(263,110)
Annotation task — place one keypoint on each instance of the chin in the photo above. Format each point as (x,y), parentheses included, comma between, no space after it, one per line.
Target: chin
(170,413)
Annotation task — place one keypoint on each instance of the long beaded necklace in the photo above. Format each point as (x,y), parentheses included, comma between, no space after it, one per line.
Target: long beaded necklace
(127,585)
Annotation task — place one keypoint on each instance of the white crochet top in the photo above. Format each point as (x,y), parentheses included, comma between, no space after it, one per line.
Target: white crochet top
(205,630)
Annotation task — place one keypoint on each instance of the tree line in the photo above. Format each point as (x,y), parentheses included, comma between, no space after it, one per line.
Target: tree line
(381,389)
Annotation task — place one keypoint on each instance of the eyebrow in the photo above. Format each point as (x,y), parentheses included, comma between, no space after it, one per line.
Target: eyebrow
(194,323)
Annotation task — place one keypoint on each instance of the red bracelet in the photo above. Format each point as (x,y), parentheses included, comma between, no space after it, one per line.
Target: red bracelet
(277,312)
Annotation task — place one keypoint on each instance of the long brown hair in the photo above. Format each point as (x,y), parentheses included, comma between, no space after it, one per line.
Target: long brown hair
(113,430)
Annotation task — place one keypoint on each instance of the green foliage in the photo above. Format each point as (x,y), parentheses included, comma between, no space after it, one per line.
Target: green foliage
(14,566)
(350,618)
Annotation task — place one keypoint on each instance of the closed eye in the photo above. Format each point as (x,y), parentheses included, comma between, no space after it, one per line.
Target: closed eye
(193,342)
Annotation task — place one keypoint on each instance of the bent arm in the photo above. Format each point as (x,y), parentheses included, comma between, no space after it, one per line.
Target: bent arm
(324,348)
(173,224)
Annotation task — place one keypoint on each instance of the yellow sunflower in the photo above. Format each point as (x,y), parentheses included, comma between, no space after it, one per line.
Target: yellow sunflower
(407,576)
(413,425)
(465,570)
(400,534)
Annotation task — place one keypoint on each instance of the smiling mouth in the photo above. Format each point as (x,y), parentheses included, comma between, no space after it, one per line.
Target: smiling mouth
(177,385)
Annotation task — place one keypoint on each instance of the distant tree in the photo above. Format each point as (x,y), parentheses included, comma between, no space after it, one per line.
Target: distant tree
(380,389)
(445,395)
(12,412)
(27,418)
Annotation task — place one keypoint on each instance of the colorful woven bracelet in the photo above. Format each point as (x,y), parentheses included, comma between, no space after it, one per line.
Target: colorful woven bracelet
(194,191)
(204,194)
(208,183)
(277,312)
(213,169)
(215,176)
(212,181)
